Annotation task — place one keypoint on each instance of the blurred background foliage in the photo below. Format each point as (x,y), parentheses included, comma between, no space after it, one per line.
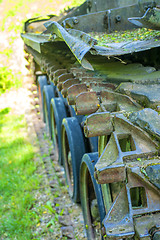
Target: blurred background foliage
(13,14)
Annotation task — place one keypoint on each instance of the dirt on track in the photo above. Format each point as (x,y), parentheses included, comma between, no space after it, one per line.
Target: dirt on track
(68,218)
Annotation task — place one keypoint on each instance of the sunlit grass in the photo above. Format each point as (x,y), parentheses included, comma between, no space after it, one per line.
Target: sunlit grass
(17,178)
(8,79)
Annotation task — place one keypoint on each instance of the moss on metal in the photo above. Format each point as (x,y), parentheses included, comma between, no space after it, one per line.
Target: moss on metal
(126,36)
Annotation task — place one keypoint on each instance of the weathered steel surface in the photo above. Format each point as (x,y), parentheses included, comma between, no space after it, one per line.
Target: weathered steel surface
(117,49)
(114,102)
(119,213)
(74,90)
(105,100)
(79,47)
(58,73)
(147,95)
(147,119)
(68,83)
(143,231)
(35,40)
(115,18)
(80,72)
(119,221)
(87,103)
(153,173)
(88,84)
(131,156)
(92,79)
(81,43)
(94,86)
(151,19)
(84,74)
(73,40)
(126,142)
(62,78)
(100,5)
(98,124)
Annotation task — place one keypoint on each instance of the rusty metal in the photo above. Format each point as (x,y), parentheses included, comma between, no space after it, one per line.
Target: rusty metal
(91,84)
(143,221)
(85,74)
(73,40)
(74,90)
(114,102)
(35,40)
(98,124)
(80,43)
(105,100)
(68,83)
(58,73)
(62,78)
(87,103)
(81,72)
(102,86)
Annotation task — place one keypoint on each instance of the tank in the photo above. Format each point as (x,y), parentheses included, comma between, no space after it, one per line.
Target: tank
(98,79)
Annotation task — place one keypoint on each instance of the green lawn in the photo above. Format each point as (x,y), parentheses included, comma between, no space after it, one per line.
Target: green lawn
(17,178)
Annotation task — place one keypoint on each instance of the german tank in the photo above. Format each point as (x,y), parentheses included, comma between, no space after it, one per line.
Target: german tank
(97,72)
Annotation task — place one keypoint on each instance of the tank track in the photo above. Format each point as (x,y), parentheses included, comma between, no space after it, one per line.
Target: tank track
(104,122)
(120,108)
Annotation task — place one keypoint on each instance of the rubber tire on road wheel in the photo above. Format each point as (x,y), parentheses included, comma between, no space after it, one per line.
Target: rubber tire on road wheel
(58,112)
(42,81)
(73,149)
(89,190)
(93,141)
(48,94)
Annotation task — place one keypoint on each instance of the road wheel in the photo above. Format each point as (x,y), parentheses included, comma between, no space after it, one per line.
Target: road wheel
(91,197)
(73,149)
(48,94)
(41,81)
(58,112)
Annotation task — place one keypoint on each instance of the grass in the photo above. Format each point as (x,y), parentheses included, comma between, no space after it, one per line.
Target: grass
(17,178)
(8,80)
(26,210)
